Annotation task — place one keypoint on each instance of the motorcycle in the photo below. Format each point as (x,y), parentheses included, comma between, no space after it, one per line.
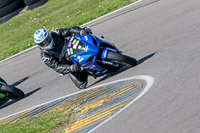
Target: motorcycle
(8,92)
(96,55)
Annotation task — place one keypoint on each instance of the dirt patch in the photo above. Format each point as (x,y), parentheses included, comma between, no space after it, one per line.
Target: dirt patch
(70,116)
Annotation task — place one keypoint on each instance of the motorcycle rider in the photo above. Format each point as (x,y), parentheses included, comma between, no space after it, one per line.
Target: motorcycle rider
(53,50)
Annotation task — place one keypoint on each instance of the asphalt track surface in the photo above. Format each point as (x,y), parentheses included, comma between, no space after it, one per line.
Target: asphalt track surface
(164,36)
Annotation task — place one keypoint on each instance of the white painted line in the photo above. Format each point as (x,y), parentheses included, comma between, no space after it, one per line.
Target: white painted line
(148,79)
(31,48)
(22,52)
(112,12)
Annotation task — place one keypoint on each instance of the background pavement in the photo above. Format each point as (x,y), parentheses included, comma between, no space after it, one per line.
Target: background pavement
(164,37)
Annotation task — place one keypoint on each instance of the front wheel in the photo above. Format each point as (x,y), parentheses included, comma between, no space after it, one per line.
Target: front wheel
(12,92)
(121,59)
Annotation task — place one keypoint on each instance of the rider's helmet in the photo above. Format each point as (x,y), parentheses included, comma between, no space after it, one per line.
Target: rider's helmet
(43,39)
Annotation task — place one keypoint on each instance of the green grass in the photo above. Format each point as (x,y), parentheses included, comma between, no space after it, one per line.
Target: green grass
(50,122)
(17,34)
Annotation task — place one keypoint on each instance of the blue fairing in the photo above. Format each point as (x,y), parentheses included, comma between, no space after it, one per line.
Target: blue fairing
(91,51)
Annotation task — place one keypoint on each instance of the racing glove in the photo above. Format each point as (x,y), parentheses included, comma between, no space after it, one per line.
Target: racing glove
(86,30)
(75,68)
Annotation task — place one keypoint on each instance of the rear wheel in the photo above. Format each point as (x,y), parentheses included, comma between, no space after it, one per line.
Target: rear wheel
(121,59)
(12,92)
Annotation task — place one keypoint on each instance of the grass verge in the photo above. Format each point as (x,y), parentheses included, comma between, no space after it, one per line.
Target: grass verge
(53,122)
(17,34)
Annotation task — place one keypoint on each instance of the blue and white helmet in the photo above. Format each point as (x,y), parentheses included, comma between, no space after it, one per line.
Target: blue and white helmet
(43,39)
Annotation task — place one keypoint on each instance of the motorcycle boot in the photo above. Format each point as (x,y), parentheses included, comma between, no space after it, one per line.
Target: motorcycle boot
(79,79)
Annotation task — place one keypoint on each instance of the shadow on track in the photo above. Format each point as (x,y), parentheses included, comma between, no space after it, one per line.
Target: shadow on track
(140,61)
(20,81)
(30,93)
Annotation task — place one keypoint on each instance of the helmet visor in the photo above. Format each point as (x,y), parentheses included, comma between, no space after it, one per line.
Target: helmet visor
(46,42)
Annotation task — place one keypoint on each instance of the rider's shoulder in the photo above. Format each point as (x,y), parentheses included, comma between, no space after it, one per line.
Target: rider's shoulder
(55,31)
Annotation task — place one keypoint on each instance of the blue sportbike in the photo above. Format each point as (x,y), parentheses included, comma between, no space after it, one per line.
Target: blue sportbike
(96,55)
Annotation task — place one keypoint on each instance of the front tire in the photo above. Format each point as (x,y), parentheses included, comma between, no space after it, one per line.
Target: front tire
(121,59)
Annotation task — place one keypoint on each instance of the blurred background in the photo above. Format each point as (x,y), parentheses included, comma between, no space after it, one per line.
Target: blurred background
(10,8)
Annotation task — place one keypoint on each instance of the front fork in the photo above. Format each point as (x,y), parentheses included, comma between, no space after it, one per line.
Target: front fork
(103,55)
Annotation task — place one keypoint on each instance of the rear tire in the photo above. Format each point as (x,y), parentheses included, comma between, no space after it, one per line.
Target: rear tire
(121,59)
(13,92)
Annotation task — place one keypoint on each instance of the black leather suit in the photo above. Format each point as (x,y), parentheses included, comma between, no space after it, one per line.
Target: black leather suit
(54,57)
